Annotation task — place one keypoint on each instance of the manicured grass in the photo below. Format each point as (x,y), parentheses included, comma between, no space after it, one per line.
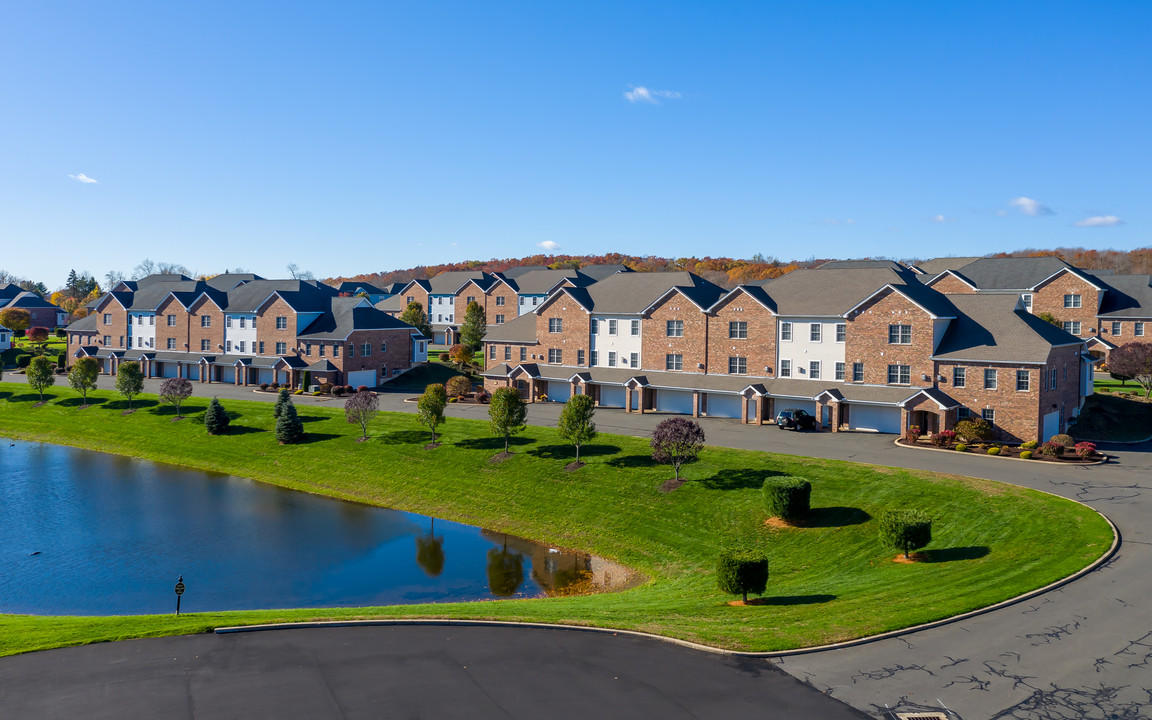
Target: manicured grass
(21,346)
(421,377)
(829,582)
(1104,380)
(1106,416)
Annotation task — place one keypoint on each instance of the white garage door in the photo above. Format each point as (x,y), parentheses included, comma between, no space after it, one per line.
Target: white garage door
(674,401)
(870,417)
(263,375)
(192,372)
(611,396)
(227,374)
(727,406)
(559,391)
(168,369)
(361,377)
(1051,425)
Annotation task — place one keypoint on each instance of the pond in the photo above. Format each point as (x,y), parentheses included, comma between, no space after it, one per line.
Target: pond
(85,533)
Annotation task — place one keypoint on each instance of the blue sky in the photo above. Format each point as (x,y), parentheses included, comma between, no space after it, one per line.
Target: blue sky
(360,137)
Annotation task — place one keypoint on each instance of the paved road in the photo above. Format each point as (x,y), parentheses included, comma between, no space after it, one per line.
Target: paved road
(403,672)
(1082,651)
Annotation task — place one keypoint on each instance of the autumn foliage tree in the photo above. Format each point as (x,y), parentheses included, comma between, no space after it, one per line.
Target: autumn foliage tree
(676,442)
(38,336)
(83,375)
(175,391)
(461,354)
(15,319)
(1133,360)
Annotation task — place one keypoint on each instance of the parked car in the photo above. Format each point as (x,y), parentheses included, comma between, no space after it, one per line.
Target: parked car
(795,419)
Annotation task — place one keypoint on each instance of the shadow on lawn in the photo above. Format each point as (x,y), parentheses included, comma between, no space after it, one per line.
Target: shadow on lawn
(632,461)
(313,437)
(973,552)
(737,479)
(406,437)
(782,600)
(566,452)
(185,410)
(311,418)
(78,401)
(137,404)
(29,397)
(492,443)
(827,517)
(243,430)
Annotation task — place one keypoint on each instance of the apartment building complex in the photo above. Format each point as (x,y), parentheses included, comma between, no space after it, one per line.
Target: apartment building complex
(243,329)
(861,345)
(41,313)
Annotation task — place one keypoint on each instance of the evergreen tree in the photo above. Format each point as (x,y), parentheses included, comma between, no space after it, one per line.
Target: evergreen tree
(414,315)
(289,428)
(216,421)
(284,398)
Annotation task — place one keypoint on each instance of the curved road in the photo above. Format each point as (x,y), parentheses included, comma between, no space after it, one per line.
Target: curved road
(1081,651)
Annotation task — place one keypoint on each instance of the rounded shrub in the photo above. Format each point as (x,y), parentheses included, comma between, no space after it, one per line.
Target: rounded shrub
(1031,445)
(1063,439)
(263,386)
(1025,454)
(445,357)
(23,361)
(905,530)
(361,388)
(787,498)
(338,390)
(458,385)
(993,451)
(961,447)
(740,572)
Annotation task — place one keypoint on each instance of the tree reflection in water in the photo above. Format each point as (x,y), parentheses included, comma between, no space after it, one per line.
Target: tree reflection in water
(505,571)
(430,552)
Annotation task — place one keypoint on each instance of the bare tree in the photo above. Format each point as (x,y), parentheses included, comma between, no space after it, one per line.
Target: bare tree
(298,274)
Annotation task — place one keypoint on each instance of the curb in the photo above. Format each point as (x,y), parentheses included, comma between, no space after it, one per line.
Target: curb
(1117,442)
(1108,555)
(1104,460)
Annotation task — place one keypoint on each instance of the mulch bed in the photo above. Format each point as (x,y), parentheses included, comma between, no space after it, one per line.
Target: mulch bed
(574,465)
(782,524)
(912,558)
(753,601)
(127,412)
(431,446)
(670,485)
(500,457)
(42,403)
(1010,451)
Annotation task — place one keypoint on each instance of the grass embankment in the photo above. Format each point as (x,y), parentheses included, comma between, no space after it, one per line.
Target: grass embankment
(1113,418)
(420,377)
(829,582)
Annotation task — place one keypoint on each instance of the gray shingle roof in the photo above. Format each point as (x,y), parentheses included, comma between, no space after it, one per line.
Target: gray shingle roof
(518,330)
(158,277)
(1011,273)
(633,293)
(935,266)
(86,324)
(860,264)
(26,300)
(349,314)
(515,272)
(833,292)
(600,272)
(447,283)
(396,303)
(1128,296)
(991,329)
(226,281)
(541,282)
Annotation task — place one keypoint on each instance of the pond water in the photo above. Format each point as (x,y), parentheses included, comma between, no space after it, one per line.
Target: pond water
(85,533)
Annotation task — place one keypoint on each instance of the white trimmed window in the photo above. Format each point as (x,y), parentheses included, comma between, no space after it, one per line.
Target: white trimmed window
(1072,326)
(227,321)
(281,348)
(1052,378)
(205,321)
(499,301)
(635,328)
(1023,381)
(785,368)
(899,374)
(281,322)
(171,343)
(989,414)
(814,370)
(611,359)
(959,376)
(839,371)
(634,360)
(1116,328)
(499,319)
(989,378)
(738,330)
(1026,298)
(857,372)
(899,334)
(366,349)
(1072,301)
(383,346)
(674,362)
(171,321)
(611,327)
(841,332)
(554,355)
(737,366)
(1138,329)
(205,346)
(580,357)
(815,332)
(555,325)
(786,331)
(593,356)
(675,328)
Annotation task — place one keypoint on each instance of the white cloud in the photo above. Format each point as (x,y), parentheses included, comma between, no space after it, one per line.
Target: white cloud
(1100,221)
(639,93)
(1028,206)
(549,245)
(941,219)
(82,178)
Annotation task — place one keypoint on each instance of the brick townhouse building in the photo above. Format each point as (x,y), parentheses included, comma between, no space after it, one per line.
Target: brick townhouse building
(1103,308)
(863,346)
(245,330)
(41,313)
(504,296)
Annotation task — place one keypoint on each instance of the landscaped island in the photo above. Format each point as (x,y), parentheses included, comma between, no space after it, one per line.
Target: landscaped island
(829,581)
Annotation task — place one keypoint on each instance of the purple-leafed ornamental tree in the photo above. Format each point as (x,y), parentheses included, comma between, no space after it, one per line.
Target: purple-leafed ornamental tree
(1133,360)
(677,441)
(174,391)
(361,408)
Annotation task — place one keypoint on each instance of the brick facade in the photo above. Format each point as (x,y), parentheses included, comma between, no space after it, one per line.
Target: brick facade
(655,344)
(197,333)
(759,347)
(117,328)
(951,285)
(395,357)
(573,337)
(510,309)
(178,333)
(266,330)
(1049,298)
(867,340)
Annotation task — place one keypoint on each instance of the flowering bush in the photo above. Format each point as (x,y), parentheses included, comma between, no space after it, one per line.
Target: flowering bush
(943,438)
(913,434)
(1052,449)
(263,386)
(1085,449)
(361,388)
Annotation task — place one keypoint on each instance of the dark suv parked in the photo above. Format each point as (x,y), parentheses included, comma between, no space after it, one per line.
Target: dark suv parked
(795,419)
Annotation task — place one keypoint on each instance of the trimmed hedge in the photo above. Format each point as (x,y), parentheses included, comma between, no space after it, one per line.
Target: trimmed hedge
(993,451)
(1026,455)
(23,361)
(961,447)
(740,572)
(1062,439)
(905,530)
(787,497)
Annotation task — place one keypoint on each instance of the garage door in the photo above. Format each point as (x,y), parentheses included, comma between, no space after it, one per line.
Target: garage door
(192,372)
(727,406)
(169,369)
(262,375)
(227,374)
(1051,425)
(870,417)
(674,401)
(559,391)
(611,396)
(361,377)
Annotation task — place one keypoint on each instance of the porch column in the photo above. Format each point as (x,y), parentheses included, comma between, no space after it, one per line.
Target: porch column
(627,399)
(905,421)
(532,390)
(820,414)
(695,403)
(643,392)
(744,409)
(835,413)
(770,404)
(236,376)
(761,406)
(594,391)
(576,388)
(179,369)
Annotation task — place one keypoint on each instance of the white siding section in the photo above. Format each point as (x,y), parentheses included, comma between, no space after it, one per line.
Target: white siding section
(623,343)
(528,303)
(142,333)
(236,334)
(442,309)
(801,350)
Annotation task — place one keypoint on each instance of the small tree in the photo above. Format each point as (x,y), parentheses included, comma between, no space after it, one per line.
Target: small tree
(289,428)
(129,381)
(458,385)
(362,408)
(15,319)
(676,442)
(414,315)
(1135,361)
(1050,318)
(739,572)
(461,354)
(506,413)
(216,421)
(475,326)
(787,498)
(1117,376)
(41,375)
(282,398)
(82,377)
(430,408)
(905,530)
(575,423)
(175,391)
(976,430)
(38,336)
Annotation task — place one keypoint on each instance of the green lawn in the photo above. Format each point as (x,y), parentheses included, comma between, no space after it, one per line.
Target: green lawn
(829,582)
(1108,416)
(1104,380)
(54,347)
(421,377)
